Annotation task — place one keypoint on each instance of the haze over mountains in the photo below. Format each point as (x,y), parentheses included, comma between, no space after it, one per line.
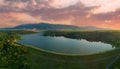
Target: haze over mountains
(47,26)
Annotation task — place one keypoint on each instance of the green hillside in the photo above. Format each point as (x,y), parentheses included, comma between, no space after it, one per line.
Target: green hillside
(41,59)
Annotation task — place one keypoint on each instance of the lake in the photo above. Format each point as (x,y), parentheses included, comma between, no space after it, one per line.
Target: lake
(64,45)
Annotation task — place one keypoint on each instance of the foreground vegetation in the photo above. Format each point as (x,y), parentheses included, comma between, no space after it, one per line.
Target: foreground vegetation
(18,56)
(12,56)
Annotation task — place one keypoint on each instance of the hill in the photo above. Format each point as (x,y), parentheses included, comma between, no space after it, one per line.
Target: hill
(47,26)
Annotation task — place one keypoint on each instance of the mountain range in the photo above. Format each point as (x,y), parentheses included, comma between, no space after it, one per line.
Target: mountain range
(48,26)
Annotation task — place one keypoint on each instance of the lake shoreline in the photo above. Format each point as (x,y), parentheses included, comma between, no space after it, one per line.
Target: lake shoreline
(49,54)
(65,45)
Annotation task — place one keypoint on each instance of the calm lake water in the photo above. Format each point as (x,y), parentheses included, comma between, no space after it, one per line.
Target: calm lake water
(64,45)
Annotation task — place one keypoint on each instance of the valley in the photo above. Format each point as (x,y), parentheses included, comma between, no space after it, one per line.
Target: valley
(45,59)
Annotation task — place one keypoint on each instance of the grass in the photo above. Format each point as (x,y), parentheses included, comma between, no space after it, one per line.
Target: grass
(3,66)
(41,59)
(116,65)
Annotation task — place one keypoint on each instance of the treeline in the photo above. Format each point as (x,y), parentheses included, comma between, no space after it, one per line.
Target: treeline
(19,31)
(12,55)
(111,37)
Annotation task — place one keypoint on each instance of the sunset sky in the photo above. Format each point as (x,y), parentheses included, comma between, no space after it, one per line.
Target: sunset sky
(99,13)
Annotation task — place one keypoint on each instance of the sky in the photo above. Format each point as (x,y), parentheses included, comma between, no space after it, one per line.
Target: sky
(99,13)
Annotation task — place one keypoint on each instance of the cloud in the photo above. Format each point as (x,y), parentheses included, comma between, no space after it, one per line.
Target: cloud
(102,6)
(63,3)
(97,6)
(1,2)
(107,8)
(100,13)
(13,19)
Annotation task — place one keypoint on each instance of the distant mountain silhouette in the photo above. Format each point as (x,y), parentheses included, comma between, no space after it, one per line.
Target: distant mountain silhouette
(47,26)
(94,28)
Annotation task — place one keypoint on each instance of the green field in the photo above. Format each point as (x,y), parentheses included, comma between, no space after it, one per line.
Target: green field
(41,59)
(36,58)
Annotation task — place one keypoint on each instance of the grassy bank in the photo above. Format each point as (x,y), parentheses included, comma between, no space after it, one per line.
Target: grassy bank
(41,59)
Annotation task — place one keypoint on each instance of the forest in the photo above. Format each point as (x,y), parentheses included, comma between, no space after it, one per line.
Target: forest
(12,55)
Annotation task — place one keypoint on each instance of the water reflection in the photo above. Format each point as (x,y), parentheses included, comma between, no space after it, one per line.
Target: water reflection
(65,45)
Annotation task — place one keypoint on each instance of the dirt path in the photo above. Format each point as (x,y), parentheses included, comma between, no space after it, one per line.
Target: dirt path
(109,65)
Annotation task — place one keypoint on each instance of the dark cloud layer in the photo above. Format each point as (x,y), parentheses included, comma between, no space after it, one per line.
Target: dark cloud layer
(77,13)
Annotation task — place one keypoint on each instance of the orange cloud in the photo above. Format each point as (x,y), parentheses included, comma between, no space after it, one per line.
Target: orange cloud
(102,6)
(99,13)
(13,19)
(22,17)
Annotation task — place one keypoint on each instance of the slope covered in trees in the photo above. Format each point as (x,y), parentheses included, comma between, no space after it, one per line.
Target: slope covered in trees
(12,55)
